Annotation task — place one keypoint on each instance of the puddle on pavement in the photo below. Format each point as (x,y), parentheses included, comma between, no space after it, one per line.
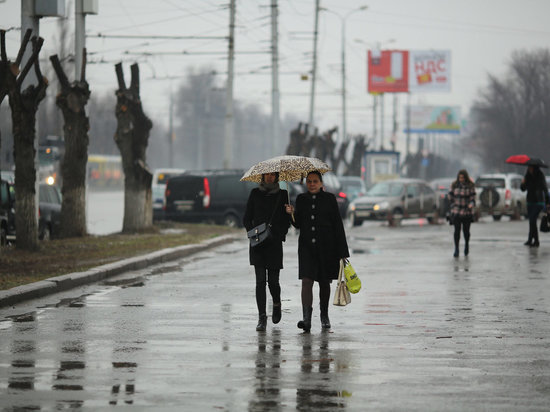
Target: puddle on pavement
(127,282)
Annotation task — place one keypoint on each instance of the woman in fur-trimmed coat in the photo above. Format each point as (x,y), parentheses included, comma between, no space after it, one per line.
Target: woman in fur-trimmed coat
(267,203)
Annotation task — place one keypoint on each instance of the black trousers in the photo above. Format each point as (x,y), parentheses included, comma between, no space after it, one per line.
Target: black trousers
(463,224)
(533,211)
(271,277)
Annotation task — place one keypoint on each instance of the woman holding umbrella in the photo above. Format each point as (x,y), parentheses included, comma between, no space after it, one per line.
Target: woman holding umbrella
(266,204)
(534,183)
(321,245)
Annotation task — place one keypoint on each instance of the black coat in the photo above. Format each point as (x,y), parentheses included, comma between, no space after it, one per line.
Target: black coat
(537,190)
(260,207)
(322,241)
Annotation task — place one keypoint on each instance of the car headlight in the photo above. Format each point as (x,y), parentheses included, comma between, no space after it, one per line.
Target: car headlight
(352,207)
(381,206)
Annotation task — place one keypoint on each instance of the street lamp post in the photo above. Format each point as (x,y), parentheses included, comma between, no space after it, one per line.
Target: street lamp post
(343,46)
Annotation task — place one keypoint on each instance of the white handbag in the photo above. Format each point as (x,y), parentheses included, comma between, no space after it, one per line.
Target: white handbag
(342,297)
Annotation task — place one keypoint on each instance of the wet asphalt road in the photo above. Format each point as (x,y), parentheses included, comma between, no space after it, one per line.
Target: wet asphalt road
(427,332)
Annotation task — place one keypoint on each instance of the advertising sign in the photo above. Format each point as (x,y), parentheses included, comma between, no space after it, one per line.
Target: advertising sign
(429,71)
(434,119)
(388,71)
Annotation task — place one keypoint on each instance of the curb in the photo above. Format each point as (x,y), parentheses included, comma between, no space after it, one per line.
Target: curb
(62,283)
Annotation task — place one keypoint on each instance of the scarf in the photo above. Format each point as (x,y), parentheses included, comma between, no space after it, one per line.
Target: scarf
(269,188)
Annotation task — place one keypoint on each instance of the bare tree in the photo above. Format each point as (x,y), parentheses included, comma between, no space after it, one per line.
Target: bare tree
(513,114)
(72,100)
(131,137)
(24,105)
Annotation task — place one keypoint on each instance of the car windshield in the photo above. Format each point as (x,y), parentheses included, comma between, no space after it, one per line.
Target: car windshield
(385,189)
(490,182)
(163,177)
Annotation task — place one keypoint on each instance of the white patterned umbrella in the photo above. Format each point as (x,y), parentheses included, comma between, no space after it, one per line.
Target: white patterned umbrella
(290,168)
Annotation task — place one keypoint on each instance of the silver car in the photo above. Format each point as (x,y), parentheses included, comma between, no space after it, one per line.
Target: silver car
(394,200)
(499,194)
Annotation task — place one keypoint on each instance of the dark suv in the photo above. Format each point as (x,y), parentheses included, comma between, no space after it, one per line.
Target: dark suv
(216,196)
(7,216)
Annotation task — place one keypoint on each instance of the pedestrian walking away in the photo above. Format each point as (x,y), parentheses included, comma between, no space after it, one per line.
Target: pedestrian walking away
(266,204)
(534,183)
(321,245)
(462,197)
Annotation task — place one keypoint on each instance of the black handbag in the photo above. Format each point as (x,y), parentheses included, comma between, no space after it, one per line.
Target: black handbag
(259,234)
(544,227)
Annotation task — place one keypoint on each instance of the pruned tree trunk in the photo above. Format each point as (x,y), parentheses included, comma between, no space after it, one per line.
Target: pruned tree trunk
(24,105)
(72,100)
(132,137)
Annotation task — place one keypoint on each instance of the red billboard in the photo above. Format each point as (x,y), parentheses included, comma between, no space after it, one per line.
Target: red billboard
(388,71)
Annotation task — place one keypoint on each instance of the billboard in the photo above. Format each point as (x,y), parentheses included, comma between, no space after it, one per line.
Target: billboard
(388,71)
(434,119)
(429,71)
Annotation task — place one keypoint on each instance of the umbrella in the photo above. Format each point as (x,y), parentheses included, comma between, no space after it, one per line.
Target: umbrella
(525,160)
(290,168)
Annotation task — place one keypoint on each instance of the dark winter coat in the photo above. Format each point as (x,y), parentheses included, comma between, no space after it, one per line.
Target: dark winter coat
(259,209)
(322,242)
(537,190)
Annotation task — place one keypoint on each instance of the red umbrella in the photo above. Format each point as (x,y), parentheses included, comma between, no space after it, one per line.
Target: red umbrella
(525,160)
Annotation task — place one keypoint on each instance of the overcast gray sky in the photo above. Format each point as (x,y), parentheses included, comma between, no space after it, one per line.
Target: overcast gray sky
(481,35)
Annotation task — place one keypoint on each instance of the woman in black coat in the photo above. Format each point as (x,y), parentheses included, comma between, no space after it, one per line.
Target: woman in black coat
(537,198)
(266,203)
(321,245)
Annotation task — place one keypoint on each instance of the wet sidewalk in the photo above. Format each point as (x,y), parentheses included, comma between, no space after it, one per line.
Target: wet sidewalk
(427,332)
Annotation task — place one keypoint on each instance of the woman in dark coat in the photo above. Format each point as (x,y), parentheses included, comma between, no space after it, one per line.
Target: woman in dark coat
(267,203)
(462,197)
(321,245)
(537,198)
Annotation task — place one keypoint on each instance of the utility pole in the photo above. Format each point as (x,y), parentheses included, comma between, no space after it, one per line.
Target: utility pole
(229,131)
(374,119)
(344,111)
(171,130)
(314,68)
(82,8)
(381,121)
(408,123)
(275,96)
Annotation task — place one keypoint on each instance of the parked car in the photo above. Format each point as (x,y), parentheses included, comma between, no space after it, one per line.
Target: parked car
(394,200)
(499,194)
(216,196)
(49,211)
(441,187)
(160,177)
(353,187)
(332,184)
(7,213)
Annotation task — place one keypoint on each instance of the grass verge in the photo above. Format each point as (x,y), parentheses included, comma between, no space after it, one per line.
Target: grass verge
(62,256)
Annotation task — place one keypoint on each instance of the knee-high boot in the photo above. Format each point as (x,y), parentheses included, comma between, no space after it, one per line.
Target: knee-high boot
(305,323)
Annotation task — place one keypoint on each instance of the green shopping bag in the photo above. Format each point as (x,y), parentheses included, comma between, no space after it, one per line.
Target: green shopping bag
(352,280)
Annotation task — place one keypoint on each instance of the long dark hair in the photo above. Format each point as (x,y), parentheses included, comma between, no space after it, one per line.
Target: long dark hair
(467,181)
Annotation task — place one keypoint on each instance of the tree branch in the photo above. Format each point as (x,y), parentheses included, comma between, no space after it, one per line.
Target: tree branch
(23,47)
(34,56)
(83,68)
(3,45)
(134,85)
(59,71)
(120,76)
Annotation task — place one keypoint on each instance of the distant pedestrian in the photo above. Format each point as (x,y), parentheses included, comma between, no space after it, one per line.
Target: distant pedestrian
(537,198)
(321,245)
(265,203)
(462,197)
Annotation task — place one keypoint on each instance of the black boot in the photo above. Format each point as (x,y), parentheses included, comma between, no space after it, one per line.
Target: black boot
(305,323)
(325,321)
(262,323)
(276,315)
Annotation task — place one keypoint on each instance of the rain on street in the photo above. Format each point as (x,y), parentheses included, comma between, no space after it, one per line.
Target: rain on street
(426,332)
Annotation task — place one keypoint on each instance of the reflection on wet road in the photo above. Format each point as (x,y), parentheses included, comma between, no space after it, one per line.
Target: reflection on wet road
(427,332)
